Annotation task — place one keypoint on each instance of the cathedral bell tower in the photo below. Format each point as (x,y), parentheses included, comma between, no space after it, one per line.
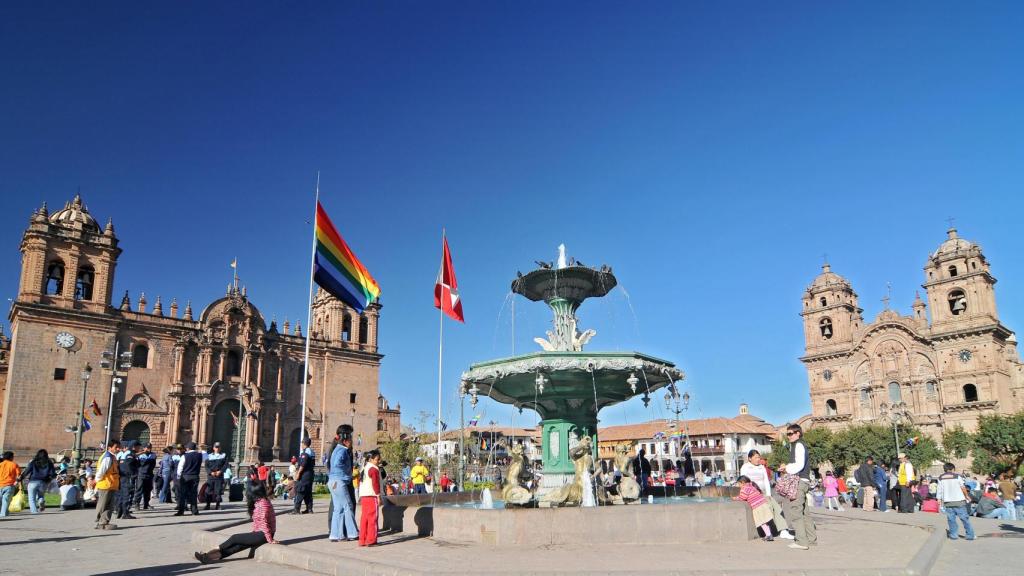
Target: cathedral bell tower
(959,285)
(830,311)
(67,260)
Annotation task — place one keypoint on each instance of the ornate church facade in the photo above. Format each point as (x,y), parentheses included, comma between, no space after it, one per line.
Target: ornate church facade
(943,366)
(222,375)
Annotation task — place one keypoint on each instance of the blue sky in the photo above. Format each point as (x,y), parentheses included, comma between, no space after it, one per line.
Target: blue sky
(709,153)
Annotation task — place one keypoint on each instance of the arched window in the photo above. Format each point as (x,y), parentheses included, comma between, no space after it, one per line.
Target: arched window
(346,328)
(929,388)
(826,328)
(974,265)
(957,302)
(894,392)
(830,408)
(970,393)
(83,283)
(140,356)
(952,271)
(865,396)
(234,364)
(54,277)
(824,302)
(364,330)
(381,427)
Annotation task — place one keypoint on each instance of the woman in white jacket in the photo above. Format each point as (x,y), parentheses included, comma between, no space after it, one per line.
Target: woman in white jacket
(755,469)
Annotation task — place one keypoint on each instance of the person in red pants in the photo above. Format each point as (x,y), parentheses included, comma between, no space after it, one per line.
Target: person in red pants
(369,499)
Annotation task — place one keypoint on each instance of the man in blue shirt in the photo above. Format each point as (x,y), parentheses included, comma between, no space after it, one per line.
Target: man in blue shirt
(339,480)
(882,483)
(167,470)
(147,464)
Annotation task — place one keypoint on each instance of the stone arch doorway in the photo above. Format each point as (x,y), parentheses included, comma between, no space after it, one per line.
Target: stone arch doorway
(225,428)
(292,449)
(137,431)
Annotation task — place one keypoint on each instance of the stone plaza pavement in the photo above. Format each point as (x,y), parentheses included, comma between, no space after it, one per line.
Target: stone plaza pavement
(851,543)
(157,543)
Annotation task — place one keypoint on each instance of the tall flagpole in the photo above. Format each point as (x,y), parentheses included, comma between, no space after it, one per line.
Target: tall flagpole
(309,318)
(440,356)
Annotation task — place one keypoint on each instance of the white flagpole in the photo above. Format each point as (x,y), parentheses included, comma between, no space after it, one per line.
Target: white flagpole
(440,356)
(309,318)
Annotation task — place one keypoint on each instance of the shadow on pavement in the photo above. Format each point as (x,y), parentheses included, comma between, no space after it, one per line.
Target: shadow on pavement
(182,568)
(55,539)
(1012,528)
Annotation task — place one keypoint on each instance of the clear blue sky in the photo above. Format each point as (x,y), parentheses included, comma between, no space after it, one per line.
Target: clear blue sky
(709,152)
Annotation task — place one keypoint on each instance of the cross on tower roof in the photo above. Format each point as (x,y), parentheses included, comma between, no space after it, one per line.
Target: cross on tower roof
(951,221)
(888,294)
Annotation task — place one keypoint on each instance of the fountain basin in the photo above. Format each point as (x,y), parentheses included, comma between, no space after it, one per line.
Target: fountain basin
(719,521)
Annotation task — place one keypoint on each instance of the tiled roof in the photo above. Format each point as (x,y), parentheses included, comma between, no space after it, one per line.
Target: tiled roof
(487,430)
(744,424)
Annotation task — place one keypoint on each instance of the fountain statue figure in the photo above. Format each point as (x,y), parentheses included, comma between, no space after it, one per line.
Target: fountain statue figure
(513,492)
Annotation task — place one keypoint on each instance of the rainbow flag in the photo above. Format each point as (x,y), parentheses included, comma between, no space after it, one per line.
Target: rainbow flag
(337,270)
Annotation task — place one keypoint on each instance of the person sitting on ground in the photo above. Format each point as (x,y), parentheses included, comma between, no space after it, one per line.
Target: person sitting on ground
(89,494)
(70,494)
(751,494)
(990,506)
(264,525)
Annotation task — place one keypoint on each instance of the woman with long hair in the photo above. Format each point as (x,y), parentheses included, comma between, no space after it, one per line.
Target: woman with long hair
(39,473)
(264,525)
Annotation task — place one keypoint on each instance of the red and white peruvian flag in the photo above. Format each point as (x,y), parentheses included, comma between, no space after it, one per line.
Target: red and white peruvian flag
(446,291)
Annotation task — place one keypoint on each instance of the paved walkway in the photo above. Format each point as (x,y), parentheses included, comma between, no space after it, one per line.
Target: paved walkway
(157,544)
(853,542)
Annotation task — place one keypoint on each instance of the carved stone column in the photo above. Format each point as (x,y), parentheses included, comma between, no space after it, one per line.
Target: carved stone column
(174,416)
(204,419)
(252,430)
(179,361)
(277,431)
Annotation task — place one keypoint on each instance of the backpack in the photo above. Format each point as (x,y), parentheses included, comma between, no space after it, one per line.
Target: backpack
(787,486)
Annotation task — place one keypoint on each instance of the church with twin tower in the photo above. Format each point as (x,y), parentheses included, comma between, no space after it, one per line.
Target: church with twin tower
(947,363)
(220,373)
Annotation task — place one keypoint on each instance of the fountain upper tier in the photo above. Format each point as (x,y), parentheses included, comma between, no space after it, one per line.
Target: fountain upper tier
(575,283)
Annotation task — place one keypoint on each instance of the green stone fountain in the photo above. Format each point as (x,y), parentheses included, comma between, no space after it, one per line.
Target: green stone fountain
(565,385)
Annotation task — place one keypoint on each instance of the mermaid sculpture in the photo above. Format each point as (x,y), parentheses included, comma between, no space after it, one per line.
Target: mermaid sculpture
(583,464)
(513,492)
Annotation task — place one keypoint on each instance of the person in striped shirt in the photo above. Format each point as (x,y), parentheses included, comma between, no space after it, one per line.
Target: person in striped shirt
(759,506)
(264,525)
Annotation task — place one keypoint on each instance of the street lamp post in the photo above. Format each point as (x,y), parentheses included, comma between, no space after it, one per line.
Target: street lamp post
(462,436)
(898,414)
(672,404)
(117,362)
(77,455)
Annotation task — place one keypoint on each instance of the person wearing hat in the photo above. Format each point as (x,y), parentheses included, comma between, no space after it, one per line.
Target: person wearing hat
(147,466)
(339,481)
(216,462)
(189,466)
(419,475)
(304,482)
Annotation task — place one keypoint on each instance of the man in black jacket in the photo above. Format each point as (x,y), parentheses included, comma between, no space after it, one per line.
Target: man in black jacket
(216,464)
(865,476)
(147,466)
(304,483)
(128,469)
(189,466)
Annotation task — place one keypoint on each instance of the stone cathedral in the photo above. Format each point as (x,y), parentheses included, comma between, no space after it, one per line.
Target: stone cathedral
(222,374)
(948,362)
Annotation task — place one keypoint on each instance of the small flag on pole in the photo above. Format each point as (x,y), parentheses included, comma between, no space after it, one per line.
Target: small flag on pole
(234,418)
(95,408)
(86,425)
(234,263)
(446,290)
(444,425)
(475,420)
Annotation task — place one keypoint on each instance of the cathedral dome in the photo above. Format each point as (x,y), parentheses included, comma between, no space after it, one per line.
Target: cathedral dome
(828,279)
(953,245)
(75,215)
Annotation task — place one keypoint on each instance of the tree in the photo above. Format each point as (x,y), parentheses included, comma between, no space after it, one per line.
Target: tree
(849,447)
(957,442)
(398,453)
(999,443)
